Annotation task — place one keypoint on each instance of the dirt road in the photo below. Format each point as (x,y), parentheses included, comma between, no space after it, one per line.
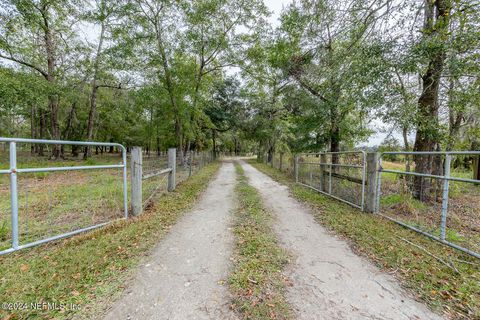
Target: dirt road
(184,277)
(329,280)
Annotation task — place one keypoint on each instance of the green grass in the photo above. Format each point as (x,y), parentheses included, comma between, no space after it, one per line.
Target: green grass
(383,242)
(91,269)
(51,203)
(257,282)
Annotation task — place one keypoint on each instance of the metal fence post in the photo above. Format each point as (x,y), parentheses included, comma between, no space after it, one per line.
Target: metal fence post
(446,182)
(371,181)
(296,168)
(378,194)
(172,157)
(14,193)
(137,172)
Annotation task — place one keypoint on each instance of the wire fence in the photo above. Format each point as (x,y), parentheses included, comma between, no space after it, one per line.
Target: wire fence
(283,161)
(156,168)
(442,202)
(193,161)
(43,200)
(340,175)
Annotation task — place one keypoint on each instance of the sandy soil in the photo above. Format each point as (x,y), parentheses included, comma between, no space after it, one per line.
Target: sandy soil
(329,281)
(185,276)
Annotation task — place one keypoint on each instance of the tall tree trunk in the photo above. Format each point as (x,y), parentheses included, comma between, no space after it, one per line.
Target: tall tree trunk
(33,129)
(53,100)
(214,141)
(455,119)
(427,135)
(42,132)
(334,134)
(406,146)
(170,88)
(93,94)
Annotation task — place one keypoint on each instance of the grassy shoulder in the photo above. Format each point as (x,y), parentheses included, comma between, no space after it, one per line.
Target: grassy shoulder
(399,251)
(88,271)
(257,282)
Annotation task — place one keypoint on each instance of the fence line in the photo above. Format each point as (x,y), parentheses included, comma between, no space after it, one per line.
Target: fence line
(14,172)
(82,201)
(426,197)
(149,173)
(340,175)
(443,204)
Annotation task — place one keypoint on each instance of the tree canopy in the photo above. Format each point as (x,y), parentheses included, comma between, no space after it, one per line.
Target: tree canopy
(217,74)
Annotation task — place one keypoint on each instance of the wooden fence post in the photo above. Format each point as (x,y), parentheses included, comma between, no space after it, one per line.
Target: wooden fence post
(136,181)
(371,181)
(323,159)
(172,157)
(281,161)
(476,167)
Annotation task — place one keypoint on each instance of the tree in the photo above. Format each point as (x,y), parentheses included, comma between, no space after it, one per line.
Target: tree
(35,35)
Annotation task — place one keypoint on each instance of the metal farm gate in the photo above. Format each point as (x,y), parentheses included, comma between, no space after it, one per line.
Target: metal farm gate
(48,227)
(340,175)
(443,203)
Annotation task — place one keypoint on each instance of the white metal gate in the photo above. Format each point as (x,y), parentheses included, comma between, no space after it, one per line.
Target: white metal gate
(340,175)
(14,171)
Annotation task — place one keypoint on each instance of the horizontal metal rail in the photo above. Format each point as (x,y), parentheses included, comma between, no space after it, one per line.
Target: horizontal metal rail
(426,153)
(73,168)
(14,171)
(77,143)
(426,175)
(158,173)
(448,243)
(62,236)
(333,164)
(331,195)
(336,152)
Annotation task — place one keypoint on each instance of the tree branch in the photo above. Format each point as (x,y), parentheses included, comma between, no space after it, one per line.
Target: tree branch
(27,64)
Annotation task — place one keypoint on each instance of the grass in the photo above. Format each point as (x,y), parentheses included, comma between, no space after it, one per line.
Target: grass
(456,294)
(51,203)
(257,282)
(93,266)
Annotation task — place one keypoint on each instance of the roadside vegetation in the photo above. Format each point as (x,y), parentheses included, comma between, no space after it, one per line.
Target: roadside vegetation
(257,282)
(446,279)
(93,266)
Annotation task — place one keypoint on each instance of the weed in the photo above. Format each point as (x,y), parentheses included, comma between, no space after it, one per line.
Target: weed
(257,281)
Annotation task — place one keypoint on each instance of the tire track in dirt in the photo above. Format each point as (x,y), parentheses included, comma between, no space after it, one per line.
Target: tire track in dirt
(329,281)
(184,277)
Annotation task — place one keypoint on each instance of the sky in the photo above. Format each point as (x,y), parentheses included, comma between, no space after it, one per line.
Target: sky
(275,6)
